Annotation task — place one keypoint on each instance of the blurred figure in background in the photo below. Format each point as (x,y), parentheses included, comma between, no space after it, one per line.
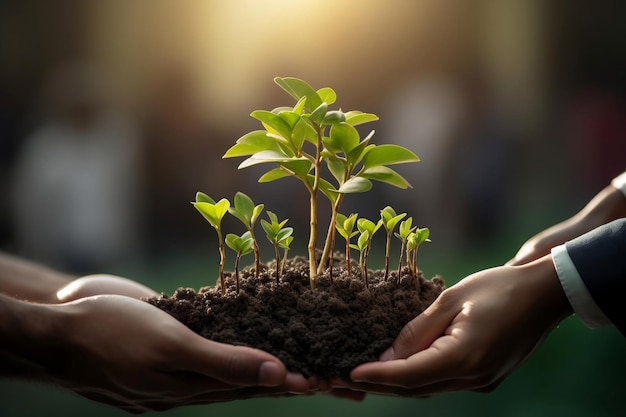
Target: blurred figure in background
(76,180)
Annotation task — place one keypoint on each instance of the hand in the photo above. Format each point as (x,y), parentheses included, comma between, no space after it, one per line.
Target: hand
(102,284)
(608,205)
(129,354)
(472,336)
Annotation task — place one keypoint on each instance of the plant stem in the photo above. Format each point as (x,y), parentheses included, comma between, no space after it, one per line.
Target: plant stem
(237,272)
(348,262)
(257,256)
(365,279)
(313,223)
(400,262)
(222,259)
(277,264)
(330,236)
(387,250)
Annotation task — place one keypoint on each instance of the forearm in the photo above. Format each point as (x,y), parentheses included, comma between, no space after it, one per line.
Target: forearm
(25,280)
(24,345)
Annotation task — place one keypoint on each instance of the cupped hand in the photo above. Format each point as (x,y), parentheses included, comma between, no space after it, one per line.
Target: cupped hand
(100,284)
(472,336)
(127,353)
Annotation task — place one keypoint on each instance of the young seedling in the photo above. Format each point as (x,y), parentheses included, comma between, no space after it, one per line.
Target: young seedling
(300,139)
(278,235)
(242,245)
(245,210)
(285,244)
(367,228)
(345,227)
(214,213)
(390,219)
(362,245)
(404,231)
(414,240)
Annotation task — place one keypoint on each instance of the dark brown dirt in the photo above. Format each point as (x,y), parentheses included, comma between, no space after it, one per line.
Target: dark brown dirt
(324,332)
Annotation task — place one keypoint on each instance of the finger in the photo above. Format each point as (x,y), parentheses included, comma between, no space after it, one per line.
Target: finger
(422,331)
(102,284)
(437,363)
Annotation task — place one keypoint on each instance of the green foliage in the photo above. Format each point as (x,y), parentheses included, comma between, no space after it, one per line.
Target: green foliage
(404,231)
(248,213)
(390,219)
(345,227)
(367,228)
(242,245)
(414,240)
(299,140)
(278,235)
(214,212)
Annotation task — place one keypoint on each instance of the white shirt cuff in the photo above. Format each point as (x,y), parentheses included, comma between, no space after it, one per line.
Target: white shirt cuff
(575,290)
(620,182)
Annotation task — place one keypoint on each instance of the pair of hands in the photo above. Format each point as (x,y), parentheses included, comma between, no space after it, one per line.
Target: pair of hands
(474,335)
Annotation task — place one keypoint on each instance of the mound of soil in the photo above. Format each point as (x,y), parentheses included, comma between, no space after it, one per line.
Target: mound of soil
(324,332)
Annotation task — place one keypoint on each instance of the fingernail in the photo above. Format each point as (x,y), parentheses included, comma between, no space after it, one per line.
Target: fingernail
(270,374)
(387,355)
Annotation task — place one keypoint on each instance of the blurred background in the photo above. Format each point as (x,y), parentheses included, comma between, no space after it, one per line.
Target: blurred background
(114,113)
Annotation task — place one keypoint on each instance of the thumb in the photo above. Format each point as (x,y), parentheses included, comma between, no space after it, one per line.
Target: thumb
(422,331)
(238,365)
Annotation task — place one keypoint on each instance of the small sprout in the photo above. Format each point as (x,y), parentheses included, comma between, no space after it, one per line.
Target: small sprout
(245,210)
(214,213)
(390,220)
(278,236)
(405,229)
(286,245)
(367,228)
(345,227)
(242,245)
(361,246)
(414,240)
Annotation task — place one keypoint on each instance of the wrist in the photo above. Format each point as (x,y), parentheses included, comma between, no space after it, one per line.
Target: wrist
(547,288)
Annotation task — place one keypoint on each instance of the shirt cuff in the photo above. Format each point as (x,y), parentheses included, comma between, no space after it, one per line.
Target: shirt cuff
(620,182)
(575,290)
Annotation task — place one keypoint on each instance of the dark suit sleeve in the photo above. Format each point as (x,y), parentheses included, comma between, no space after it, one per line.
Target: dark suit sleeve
(600,259)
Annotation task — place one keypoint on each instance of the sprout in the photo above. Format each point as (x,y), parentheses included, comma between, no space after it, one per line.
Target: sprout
(361,246)
(245,210)
(214,213)
(367,229)
(242,245)
(345,227)
(278,235)
(414,240)
(390,219)
(404,231)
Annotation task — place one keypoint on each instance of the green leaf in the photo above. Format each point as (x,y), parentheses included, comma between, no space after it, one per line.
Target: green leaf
(203,198)
(337,167)
(356,154)
(256,213)
(273,175)
(213,213)
(290,117)
(327,95)
(267,156)
(299,107)
(251,143)
(284,234)
(387,175)
(388,155)
(344,137)
(318,114)
(333,117)
(233,241)
(355,185)
(298,88)
(326,188)
(406,228)
(356,117)
(273,122)
(243,204)
(300,167)
(298,134)
(363,241)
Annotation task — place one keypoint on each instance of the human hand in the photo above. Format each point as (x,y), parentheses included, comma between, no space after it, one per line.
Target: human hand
(608,205)
(129,354)
(101,284)
(474,335)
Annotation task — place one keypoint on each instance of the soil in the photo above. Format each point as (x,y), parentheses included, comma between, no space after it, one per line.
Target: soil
(324,332)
